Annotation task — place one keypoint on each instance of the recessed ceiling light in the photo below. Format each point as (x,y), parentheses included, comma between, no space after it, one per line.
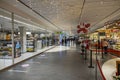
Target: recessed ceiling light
(101,2)
(17,1)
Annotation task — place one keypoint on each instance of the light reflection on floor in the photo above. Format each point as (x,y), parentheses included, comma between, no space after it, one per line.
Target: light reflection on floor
(59,48)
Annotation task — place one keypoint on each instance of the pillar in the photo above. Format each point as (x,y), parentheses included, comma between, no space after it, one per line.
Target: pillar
(23,38)
(12,31)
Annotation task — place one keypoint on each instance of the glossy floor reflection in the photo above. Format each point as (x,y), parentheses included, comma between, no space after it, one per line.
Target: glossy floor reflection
(66,64)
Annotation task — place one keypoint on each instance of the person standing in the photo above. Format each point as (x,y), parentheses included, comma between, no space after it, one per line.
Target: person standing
(82,47)
(105,46)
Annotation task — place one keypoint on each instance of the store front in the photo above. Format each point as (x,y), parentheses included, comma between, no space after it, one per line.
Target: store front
(18,37)
(111,33)
(114,40)
(6,39)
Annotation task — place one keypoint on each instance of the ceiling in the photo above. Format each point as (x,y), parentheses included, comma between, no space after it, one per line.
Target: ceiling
(65,15)
(6,23)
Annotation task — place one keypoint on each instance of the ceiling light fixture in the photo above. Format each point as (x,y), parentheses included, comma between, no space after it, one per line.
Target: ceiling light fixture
(16,0)
(28,32)
(20,22)
(30,7)
(101,2)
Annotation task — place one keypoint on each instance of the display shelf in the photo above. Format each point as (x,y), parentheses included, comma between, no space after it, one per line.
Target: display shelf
(116,49)
(30,46)
(116,46)
(5,48)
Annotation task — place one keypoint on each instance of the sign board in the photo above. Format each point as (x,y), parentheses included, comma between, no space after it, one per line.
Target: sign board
(101,33)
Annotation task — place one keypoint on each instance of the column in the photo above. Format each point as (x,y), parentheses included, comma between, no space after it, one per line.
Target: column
(23,38)
(46,39)
(12,31)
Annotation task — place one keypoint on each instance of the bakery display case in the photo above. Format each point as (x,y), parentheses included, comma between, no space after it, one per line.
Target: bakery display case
(116,46)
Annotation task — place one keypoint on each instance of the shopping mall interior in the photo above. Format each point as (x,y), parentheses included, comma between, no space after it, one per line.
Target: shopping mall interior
(59,39)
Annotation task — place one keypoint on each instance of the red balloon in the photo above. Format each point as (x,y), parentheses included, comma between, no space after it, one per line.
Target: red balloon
(84,30)
(78,26)
(78,31)
(83,24)
(87,25)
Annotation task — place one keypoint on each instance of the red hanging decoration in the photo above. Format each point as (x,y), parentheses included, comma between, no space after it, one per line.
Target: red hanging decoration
(78,31)
(84,30)
(83,24)
(78,26)
(87,25)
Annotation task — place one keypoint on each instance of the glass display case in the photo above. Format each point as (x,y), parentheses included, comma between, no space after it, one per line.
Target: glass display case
(116,37)
(5,49)
(116,46)
(39,44)
(30,46)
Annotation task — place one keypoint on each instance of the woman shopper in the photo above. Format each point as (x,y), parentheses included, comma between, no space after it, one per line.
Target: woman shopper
(105,46)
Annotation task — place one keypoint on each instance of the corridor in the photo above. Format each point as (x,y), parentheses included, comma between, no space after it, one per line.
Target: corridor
(59,63)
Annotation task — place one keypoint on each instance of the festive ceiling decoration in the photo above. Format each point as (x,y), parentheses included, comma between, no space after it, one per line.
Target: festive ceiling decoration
(78,26)
(87,25)
(83,28)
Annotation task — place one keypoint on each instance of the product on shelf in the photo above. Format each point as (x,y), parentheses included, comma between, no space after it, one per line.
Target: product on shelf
(5,48)
(30,49)
(117,46)
(8,37)
(30,45)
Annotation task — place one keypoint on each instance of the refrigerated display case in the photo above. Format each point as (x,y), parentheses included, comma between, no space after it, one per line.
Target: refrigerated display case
(39,44)
(5,49)
(30,46)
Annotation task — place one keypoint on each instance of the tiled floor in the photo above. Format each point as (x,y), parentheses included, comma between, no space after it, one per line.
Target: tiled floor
(59,63)
(8,62)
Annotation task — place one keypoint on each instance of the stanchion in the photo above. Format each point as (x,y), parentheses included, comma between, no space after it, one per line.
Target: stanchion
(96,66)
(102,54)
(90,66)
(85,54)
